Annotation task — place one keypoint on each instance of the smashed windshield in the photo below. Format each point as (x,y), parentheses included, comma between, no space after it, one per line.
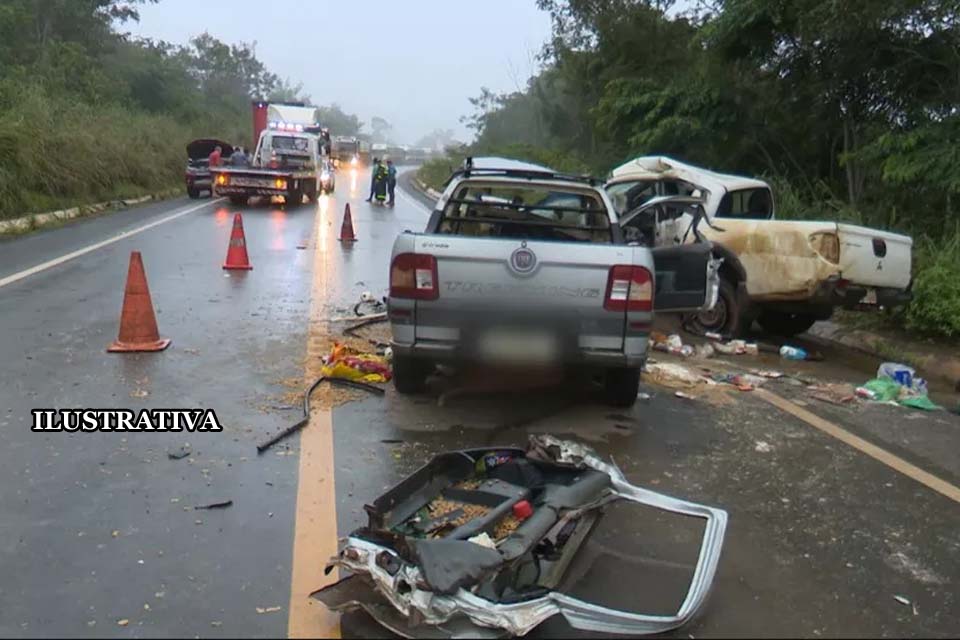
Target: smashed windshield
(526,211)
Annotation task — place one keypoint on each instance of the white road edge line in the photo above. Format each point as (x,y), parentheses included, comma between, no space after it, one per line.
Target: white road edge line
(26,273)
(416,202)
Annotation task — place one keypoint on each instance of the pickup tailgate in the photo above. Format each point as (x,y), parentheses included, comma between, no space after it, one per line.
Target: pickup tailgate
(874,258)
(552,289)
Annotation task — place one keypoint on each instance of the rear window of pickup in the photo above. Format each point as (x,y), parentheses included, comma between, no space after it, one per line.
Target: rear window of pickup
(525,212)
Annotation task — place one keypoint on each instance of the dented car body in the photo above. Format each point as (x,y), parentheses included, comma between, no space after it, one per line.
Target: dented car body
(446,552)
(788,270)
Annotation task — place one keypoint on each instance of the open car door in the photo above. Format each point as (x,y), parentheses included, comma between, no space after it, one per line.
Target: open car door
(687,275)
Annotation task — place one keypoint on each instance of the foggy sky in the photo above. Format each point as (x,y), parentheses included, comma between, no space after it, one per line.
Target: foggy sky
(415,63)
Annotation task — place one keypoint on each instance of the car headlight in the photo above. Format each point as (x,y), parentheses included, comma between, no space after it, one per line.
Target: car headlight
(325,177)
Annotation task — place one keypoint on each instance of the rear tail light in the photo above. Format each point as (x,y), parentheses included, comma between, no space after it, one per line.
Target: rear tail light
(827,245)
(629,288)
(414,275)
(280,184)
(879,247)
(221,179)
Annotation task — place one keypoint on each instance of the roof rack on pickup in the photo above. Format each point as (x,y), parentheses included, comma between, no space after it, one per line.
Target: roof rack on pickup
(469,170)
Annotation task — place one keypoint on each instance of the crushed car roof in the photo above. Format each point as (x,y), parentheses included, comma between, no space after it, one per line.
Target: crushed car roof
(656,167)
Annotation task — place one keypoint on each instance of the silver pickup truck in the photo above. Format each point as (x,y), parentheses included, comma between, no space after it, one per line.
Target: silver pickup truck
(524,266)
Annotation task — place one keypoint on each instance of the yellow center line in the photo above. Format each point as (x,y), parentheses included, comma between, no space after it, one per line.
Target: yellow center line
(881,455)
(315,528)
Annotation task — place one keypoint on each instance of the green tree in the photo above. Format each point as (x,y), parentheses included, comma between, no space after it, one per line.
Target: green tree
(338,121)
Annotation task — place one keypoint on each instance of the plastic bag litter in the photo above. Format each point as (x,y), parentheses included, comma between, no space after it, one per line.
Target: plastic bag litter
(903,375)
(924,403)
(881,390)
(349,364)
(671,344)
(888,390)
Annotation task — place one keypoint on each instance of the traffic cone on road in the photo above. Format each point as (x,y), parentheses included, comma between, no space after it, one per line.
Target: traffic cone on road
(346,229)
(237,251)
(138,324)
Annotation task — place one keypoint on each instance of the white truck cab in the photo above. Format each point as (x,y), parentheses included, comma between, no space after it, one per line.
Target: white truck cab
(786,274)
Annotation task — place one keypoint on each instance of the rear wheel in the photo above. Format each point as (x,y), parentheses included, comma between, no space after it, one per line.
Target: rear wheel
(621,386)
(193,193)
(786,324)
(410,374)
(239,200)
(294,198)
(313,193)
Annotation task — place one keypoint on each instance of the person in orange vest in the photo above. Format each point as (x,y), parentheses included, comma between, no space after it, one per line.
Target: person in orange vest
(213,159)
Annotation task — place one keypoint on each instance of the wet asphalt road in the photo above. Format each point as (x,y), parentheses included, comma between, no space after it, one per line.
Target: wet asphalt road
(97,528)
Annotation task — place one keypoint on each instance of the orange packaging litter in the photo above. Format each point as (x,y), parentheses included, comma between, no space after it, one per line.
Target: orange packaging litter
(344,362)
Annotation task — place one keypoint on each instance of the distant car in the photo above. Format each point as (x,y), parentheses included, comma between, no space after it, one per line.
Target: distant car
(197,173)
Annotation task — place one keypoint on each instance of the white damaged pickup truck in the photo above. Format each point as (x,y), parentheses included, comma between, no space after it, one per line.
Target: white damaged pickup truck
(786,274)
(524,266)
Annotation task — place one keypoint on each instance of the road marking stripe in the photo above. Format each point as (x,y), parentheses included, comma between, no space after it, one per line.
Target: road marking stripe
(315,526)
(881,455)
(409,198)
(26,273)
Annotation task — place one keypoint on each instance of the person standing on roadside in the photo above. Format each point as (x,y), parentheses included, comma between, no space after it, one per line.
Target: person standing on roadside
(239,158)
(214,159)
(391,182)
(373,178)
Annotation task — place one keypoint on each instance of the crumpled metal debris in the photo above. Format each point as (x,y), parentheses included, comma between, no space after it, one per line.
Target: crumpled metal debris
(417,585)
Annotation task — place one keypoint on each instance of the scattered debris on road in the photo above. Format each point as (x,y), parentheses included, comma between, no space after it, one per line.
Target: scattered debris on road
(346,363)
(447,546)
(262,610)
(180,453)
(834,393)
(672,375)
(306,407)
(897,383)
(215,505)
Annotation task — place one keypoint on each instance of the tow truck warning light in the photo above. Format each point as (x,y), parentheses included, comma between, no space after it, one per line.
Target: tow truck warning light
(286,126)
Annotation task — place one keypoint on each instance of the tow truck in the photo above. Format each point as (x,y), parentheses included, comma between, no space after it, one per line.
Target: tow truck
(289,160)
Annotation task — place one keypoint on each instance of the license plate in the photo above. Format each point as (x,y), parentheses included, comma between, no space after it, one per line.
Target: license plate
(251,182)
(870,298)
(518,347)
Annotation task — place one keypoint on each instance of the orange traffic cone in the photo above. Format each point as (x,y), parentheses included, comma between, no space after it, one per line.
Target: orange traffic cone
(138,325)
(237,251)
(346,229)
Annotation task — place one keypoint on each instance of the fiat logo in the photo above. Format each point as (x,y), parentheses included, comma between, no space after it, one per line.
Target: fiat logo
(523,261)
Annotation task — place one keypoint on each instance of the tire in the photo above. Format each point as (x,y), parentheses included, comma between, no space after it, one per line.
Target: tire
(786,324)
(313,194)
(726,317)
(621,386)
(192,193)
(410,374)
(294,198)
(240,201)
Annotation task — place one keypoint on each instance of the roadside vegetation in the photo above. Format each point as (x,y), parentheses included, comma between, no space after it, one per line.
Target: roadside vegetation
(850,109)
(88,113)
